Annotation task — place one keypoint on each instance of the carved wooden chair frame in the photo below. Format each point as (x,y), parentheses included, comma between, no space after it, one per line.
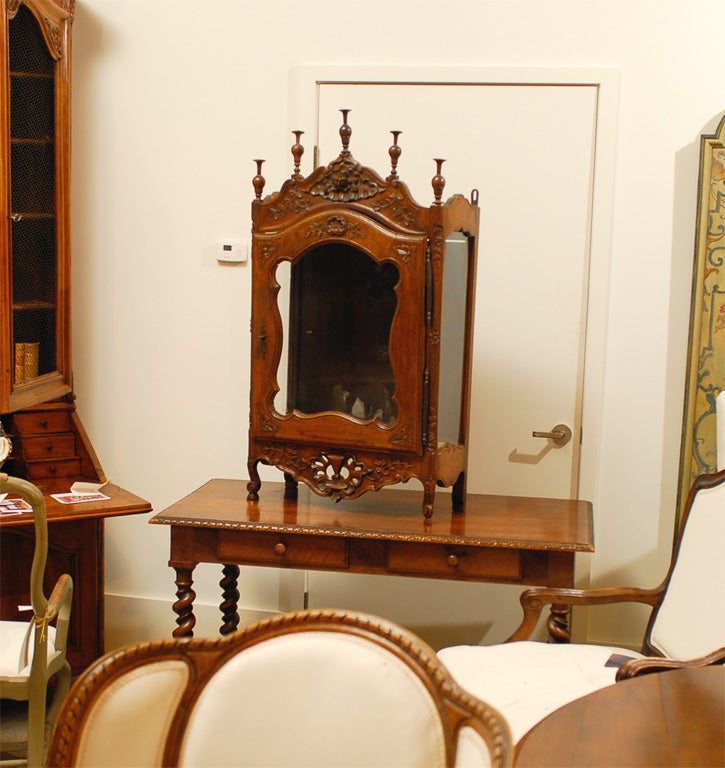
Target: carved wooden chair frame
(204,657)
(561,600)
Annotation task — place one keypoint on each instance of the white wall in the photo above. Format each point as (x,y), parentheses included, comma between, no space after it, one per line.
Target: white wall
(171,102)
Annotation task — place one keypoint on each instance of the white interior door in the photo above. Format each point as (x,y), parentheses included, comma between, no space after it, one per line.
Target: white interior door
(529,149)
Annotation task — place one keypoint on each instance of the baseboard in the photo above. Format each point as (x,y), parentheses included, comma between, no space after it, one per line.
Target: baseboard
(133,619)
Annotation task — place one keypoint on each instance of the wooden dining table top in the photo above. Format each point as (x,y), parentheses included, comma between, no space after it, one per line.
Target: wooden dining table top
(673,718)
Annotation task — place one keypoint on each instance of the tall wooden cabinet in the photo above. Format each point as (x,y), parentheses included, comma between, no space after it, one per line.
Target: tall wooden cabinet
(36,387)
(34,194)
(37,403)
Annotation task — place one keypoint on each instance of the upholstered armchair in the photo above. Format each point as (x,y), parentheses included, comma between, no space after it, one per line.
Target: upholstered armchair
(311,688)
(31,653)
(526,680)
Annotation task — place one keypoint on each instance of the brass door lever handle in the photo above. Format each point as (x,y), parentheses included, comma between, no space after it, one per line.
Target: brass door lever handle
(559,434)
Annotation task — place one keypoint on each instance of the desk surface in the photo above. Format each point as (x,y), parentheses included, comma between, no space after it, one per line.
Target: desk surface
(668,718)
(121,502)
(518,522)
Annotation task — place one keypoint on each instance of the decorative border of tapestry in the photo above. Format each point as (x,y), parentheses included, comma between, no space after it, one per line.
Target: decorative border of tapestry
(706,354)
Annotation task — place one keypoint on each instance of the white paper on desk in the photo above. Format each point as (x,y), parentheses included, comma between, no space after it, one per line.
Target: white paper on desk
(82,487)
(78,498)
(14,506)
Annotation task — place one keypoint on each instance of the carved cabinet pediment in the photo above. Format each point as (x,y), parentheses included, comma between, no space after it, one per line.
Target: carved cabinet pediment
(362,309)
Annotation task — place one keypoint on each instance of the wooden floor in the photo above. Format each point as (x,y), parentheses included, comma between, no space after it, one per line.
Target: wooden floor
(14,727)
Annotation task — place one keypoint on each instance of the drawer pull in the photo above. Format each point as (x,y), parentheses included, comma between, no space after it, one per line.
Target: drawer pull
(453,561)
(280,548)
(44,423)
(49,447)
(52,469)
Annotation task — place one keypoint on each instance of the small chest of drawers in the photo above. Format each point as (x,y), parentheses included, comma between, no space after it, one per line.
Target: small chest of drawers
(49,444)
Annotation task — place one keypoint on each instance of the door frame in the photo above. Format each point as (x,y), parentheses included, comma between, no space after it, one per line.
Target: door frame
(303,100)
(303,109)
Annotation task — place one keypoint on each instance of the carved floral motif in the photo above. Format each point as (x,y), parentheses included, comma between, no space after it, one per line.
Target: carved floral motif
(53,36)
(341,476)
(405,254)
(335,226)
(267,251)
(404,435)
(267,423)
(395,204)
(345,180)
(284,456)
(293,201)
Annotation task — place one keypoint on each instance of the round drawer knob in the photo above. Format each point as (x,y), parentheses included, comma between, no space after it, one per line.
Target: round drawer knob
(453,561)
(280,548)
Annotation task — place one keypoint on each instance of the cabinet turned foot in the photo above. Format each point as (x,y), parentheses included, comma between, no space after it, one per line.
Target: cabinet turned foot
(230,599)
(254,483)
(458,494)
(429,490)
(184,605)
(290,487)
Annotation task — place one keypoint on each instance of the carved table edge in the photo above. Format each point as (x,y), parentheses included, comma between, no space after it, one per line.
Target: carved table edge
(418,538)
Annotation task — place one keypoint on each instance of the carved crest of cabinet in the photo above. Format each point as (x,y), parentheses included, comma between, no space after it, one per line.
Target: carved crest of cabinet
(362,323)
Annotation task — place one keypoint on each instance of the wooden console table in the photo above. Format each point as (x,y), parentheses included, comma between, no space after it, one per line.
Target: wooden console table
(513,540)
(75,546)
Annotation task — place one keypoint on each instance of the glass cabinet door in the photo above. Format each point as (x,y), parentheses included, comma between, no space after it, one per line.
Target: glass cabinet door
(35,362)
(341,313)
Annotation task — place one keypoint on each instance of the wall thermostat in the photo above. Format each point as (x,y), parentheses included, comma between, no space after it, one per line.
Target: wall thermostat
(232,251)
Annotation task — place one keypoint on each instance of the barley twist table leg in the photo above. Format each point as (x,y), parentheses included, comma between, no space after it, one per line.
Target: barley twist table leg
(230,599)
(184,605)
(558,624)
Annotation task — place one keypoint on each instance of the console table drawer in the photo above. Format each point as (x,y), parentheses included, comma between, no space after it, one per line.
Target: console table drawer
(453,562)
(279,549)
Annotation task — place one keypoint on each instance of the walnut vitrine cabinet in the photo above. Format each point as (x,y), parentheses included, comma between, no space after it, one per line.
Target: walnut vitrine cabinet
(362,318)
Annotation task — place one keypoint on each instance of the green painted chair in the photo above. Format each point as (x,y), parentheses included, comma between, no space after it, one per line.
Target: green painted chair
(33,653)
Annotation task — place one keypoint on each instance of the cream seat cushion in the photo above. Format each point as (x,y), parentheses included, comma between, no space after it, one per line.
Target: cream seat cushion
(528,680)
(12,637)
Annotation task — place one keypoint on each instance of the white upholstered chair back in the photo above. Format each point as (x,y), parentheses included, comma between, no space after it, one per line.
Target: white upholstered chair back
(690,620)
(312,688)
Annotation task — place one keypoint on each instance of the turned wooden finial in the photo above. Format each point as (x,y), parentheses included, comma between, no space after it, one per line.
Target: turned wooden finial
(438,181)
(395,152)
(259,180)
(297,152)
(345,132)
